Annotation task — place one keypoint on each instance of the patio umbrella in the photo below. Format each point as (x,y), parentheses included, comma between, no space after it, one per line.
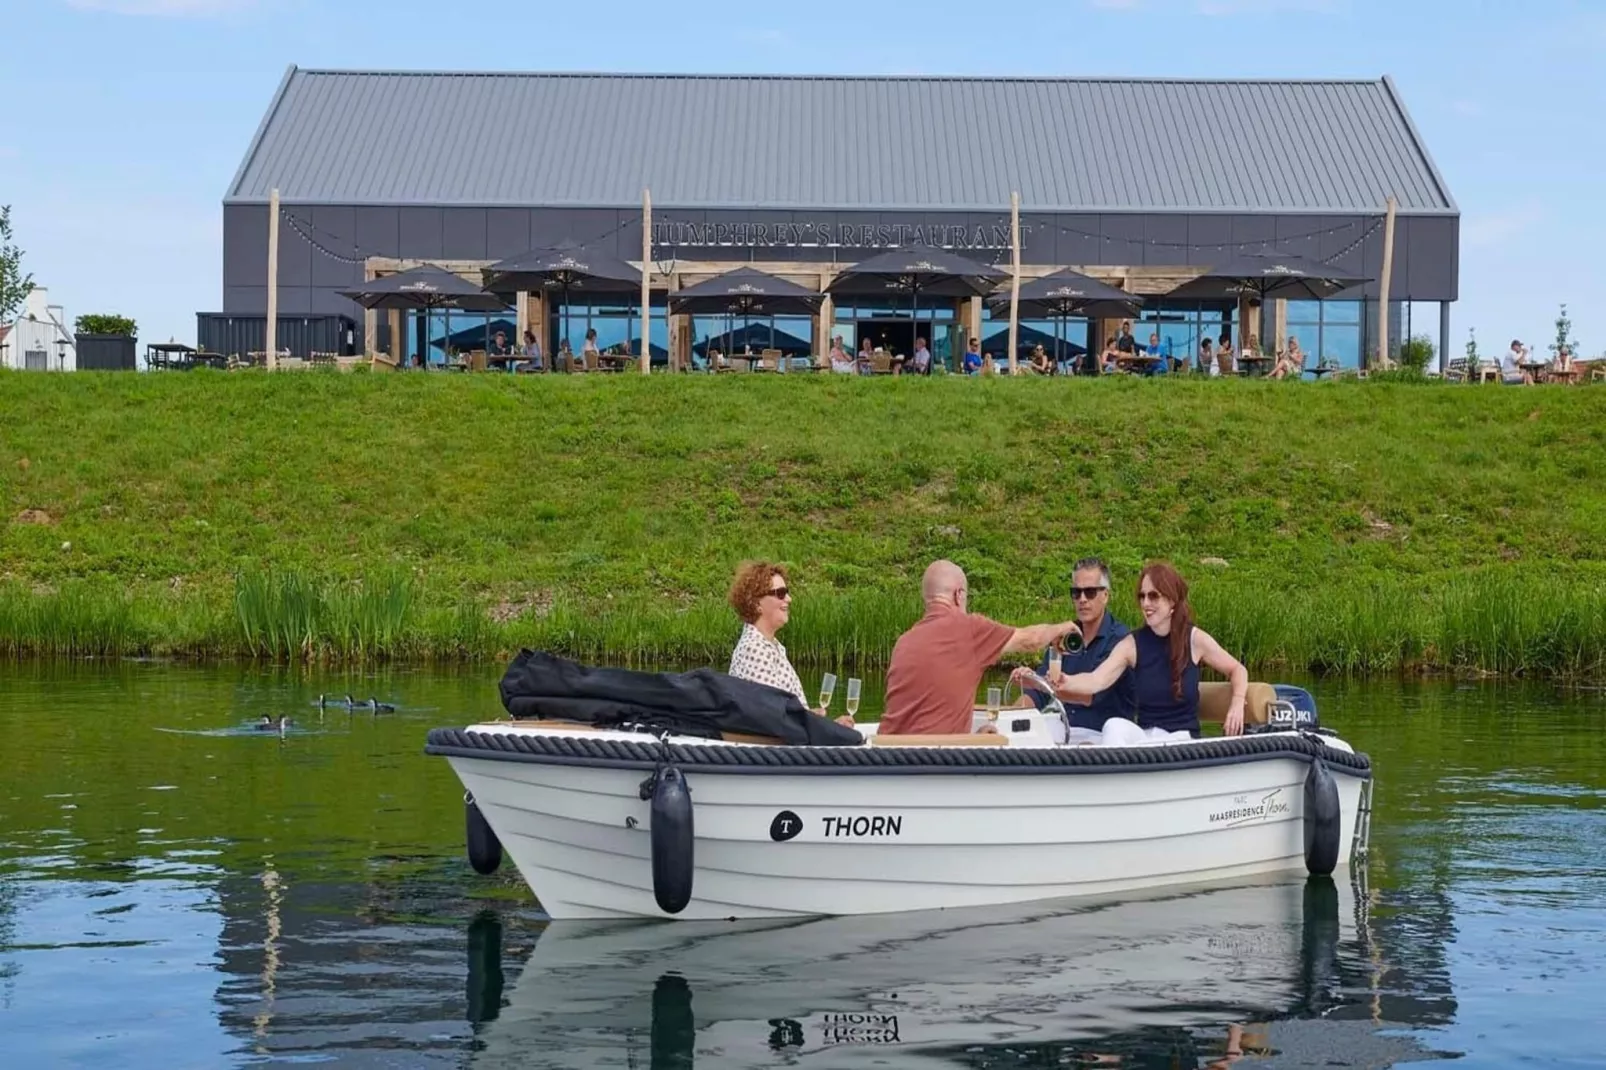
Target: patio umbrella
(746,292)
(1267,275)
(916,271)
(1069,293)
(427,287)
(422,290)
(567,266)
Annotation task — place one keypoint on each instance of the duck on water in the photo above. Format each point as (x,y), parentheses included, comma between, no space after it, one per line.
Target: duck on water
(349,703)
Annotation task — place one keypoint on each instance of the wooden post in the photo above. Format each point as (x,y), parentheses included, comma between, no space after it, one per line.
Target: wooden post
(646,281)
(370,318)
(972,329)
(272,339)
(1014,280)
(1383,285)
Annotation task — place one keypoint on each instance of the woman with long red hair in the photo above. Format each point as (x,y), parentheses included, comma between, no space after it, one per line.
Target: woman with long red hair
(1164,656)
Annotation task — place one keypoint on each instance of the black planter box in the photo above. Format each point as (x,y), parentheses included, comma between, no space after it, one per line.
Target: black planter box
(105,352)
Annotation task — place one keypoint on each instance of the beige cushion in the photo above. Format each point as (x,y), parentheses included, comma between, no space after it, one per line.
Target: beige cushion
(1215,696)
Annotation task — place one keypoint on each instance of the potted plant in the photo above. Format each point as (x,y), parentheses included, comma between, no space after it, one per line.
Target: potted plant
(105,342)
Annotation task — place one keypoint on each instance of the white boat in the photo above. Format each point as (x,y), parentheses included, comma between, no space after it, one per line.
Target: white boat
(625,822)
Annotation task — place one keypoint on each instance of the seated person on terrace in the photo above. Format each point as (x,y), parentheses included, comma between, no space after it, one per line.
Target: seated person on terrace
(841,363)
(1163,658)
(937,665)
(1511,365)
(866,358)
(1040,362)
(920,363)
(499,346)
(1162,350)
(1090,594)
(972,364)
(1290,361)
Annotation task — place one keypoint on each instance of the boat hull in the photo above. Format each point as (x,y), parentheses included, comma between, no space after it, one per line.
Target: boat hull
(800,844)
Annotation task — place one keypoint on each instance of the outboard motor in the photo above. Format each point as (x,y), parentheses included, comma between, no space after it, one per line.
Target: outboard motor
(484,849)
(1293,710)
(673,838)
(1322,819)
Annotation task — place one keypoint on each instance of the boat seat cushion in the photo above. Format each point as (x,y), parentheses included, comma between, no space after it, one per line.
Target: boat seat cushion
(1216,695)
(974,739)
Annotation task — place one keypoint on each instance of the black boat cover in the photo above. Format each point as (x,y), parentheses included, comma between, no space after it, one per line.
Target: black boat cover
(700,703)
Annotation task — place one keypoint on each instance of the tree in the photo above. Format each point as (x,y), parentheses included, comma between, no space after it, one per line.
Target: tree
(14,285)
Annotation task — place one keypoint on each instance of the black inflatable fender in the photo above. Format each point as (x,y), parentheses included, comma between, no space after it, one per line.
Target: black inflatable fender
(673,839)
(484,849)
(1323,816)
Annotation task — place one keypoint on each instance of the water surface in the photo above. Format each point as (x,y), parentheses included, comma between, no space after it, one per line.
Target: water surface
(179,888)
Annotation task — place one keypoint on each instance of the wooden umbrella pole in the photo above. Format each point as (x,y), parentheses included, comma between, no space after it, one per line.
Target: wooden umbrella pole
(646,281)
(1383,286)
(271,337)
(1014,280)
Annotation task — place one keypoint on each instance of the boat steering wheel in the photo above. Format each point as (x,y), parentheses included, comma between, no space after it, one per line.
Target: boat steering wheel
(1052,706)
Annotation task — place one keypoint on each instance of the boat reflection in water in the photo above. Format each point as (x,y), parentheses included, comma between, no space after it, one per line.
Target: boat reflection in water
(1196,976)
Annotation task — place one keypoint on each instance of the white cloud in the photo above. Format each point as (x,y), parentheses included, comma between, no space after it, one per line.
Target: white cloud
(1493,228)
(165,8)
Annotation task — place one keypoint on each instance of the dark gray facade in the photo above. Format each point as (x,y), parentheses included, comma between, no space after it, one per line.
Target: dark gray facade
(1426,248)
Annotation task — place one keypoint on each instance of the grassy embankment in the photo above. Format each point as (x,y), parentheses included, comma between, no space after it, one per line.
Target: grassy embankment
(1365,527)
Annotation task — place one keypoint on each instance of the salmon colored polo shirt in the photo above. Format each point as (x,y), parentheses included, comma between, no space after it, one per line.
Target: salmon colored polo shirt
(935,669)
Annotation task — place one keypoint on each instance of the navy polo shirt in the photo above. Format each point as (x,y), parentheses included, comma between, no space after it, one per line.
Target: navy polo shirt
(1117,700)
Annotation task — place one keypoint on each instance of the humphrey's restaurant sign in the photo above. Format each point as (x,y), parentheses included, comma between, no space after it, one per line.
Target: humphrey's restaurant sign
(822,234)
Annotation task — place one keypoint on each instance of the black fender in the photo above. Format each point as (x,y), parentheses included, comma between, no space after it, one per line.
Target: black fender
(673,840)
(484,849)
(1323,817)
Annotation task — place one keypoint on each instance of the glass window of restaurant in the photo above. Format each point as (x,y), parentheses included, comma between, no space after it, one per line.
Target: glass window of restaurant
(792,335)
(1328,331)
(936,323)
(616,326)
(1061,340)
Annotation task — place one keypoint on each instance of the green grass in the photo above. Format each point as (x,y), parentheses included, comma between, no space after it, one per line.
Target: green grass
(1367,527)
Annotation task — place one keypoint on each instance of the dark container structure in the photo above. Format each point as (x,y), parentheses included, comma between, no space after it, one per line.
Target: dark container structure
(106,352)
(237,335)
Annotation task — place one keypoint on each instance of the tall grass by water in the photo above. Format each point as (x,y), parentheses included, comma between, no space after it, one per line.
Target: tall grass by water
(1344,527)
(1509,624)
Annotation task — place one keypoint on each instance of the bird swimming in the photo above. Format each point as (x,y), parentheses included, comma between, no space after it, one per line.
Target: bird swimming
(381,707)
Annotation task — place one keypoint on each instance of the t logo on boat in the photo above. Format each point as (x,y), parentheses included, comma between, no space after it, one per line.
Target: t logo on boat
(785,826)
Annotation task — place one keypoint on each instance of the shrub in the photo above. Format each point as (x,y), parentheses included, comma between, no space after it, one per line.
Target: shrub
(1416,353)
(105,323)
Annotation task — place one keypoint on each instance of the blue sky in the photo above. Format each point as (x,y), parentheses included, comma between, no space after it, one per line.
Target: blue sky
(126,119)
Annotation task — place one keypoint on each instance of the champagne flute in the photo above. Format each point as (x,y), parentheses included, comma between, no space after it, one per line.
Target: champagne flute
(995,699)
(1053,660)
(827,689)
(853,695)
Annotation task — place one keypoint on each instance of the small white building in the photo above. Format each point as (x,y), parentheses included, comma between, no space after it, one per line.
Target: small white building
(39,339)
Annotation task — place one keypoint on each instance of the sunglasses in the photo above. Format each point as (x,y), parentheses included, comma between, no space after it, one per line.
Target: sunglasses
(1150,596)
(783,593)
(1087,594)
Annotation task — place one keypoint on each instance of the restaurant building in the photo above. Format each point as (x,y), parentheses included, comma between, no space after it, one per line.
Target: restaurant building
(1140,182)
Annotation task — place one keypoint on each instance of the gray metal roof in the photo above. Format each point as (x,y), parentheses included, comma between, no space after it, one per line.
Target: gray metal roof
(1068,144)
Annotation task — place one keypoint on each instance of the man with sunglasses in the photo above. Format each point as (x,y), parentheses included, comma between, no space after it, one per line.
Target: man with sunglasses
(1090,594)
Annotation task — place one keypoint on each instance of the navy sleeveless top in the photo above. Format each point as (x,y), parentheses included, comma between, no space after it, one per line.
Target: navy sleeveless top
(1151,680)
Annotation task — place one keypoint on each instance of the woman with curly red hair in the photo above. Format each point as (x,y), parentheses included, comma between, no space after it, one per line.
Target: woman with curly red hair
(762,598)
(1164,656)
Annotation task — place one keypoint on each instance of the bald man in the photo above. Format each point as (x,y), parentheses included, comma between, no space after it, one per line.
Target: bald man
(938,664)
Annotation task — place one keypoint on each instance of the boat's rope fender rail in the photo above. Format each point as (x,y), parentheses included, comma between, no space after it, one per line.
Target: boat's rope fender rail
(629,754)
